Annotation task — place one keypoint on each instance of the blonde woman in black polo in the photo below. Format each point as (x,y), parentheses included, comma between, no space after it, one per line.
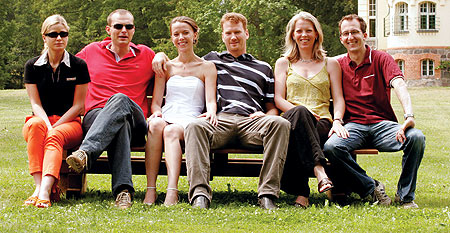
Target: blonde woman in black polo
(56,83)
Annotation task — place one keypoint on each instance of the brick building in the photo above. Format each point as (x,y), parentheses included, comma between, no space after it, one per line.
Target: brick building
(415,32)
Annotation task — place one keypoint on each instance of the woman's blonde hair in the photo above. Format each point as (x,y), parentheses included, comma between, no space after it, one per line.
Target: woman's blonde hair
(50,21)
(291,50)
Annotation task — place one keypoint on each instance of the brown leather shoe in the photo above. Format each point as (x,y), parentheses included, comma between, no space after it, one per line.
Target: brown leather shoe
(77,160)
(123,200)
(200,202)
(267,203)
(405,205)
(379,194)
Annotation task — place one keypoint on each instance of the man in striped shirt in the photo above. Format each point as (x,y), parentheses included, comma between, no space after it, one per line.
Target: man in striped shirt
(247,117)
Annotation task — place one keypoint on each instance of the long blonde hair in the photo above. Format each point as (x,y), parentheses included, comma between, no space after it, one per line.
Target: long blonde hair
(50,21)
(291,50)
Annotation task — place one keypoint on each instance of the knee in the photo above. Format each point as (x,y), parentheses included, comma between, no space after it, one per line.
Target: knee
(329,147)
(54,137)
(156,125)
(416,137)
(173,132)
(300,109)
(34,125)
(281,123)
(118,98)
(196,126)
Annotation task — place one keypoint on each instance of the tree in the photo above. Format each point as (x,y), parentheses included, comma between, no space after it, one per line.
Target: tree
(329,13)
(267,20)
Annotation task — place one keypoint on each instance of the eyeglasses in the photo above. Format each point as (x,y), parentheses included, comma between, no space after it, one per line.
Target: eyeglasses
(353,32)
(56,34)
(120,26)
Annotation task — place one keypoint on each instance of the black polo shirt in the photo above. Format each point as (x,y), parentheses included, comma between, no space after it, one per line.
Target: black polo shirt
(244,84)
(56,89)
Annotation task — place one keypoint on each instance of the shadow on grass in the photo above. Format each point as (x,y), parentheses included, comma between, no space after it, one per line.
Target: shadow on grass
(220,198)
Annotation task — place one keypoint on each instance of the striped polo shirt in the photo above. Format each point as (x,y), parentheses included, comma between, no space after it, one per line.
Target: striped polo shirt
(244,84)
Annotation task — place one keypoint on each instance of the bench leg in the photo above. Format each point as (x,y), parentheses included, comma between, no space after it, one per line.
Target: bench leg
(71,183)
(218,163)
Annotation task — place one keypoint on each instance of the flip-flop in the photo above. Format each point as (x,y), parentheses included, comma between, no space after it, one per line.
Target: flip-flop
(30,201)
(43,203)
(324,185)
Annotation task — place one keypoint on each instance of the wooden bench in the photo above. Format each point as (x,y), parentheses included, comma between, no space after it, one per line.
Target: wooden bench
(74,184)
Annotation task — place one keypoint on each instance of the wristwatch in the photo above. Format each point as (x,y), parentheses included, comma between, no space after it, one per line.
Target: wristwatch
(408,115)
(339,119)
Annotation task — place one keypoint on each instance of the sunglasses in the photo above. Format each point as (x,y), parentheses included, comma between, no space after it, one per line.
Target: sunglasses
(120,26)
(56,34)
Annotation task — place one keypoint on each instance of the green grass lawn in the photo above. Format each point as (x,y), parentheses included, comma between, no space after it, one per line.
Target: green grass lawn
(234,205)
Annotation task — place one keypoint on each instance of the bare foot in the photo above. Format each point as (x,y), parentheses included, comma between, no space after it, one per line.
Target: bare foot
(150,196)
(171,197)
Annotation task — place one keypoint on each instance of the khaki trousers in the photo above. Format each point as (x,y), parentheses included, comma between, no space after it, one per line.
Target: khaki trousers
(271,132)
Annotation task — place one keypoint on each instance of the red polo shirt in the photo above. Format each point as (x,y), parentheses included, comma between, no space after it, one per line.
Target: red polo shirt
(367,87)
(130,76)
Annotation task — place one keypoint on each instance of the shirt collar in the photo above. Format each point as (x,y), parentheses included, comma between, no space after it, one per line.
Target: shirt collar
(243,57)
(108,46)
(367,57)
(43,59)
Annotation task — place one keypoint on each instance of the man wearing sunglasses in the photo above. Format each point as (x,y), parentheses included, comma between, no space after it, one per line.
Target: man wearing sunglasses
(116,104)
(367,79)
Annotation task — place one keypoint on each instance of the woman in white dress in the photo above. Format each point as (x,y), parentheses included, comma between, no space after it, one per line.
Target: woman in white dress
(190,83)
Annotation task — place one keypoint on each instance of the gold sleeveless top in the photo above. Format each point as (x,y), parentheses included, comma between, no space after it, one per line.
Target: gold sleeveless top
(313,93)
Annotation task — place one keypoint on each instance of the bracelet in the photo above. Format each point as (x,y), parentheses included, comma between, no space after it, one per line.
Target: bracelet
(339,119)
(408,115)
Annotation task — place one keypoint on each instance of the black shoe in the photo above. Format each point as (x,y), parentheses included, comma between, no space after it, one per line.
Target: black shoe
(267,203)
(200,202)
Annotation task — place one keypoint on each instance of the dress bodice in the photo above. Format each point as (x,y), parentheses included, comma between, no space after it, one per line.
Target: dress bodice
(185,99)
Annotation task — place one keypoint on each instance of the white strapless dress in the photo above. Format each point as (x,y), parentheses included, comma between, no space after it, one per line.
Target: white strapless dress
(185,99)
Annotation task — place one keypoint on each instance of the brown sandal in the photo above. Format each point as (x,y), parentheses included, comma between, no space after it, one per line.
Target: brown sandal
(324,185)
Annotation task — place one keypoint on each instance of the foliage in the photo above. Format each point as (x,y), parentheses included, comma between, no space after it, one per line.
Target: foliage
(22,20)
(445,65)
(234,207)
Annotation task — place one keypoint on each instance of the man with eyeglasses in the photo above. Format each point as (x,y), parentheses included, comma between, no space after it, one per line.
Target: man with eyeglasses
(116,104)
(367,78)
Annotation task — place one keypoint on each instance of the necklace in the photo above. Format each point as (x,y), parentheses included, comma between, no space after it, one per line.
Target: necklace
(306,61)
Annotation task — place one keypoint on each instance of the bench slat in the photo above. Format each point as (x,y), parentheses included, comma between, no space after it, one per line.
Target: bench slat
(74,184)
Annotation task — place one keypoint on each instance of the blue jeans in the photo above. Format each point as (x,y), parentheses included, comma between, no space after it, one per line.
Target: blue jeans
(115,128)
(382,137)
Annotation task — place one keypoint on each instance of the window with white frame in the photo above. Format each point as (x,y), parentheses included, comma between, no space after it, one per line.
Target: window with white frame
(372,17)
(401,65)
(401,24)
(427,16)
(427,67)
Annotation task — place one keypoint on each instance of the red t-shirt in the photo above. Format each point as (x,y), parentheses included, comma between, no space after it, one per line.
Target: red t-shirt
(367,87)
(130,76)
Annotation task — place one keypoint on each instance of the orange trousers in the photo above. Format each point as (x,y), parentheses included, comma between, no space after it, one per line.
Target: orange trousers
(45,147)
